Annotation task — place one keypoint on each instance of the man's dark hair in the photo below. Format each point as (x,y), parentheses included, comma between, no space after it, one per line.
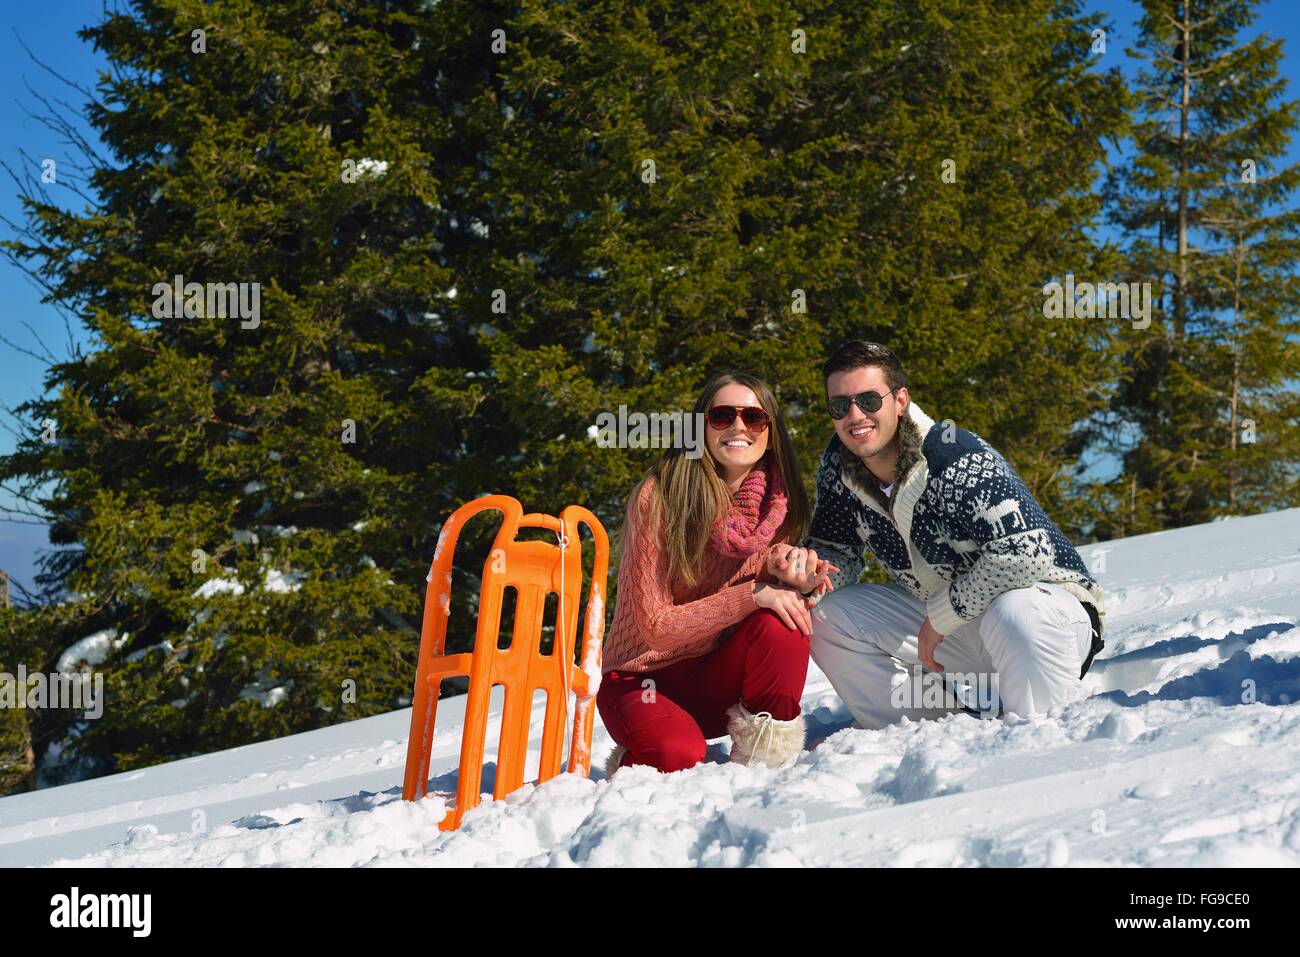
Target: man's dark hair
(857,353)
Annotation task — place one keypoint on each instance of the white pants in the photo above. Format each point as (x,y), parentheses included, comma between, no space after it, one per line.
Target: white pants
(1025,652)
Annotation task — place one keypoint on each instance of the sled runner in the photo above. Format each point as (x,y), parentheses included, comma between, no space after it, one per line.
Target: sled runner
(533,569)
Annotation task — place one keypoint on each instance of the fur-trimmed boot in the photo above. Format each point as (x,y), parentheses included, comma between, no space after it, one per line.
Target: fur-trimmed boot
(614,761)
(761,739)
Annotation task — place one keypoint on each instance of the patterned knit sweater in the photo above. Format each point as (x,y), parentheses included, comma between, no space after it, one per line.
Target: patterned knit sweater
(959,529)
(657,623)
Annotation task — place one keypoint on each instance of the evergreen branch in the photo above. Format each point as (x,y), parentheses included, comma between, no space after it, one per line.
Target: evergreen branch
(15,511)
(22,497)
(35,335)
(57,124)
(1193,27)
(33,275)
(18,348)
(29,599)
(19,436)
(61,180)
(1210,67)
(51,295)
(33,184)
(88,94)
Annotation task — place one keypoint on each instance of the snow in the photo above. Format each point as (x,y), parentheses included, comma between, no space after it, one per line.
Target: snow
(93,650)
(1186,752)
(279,581)
(165,645)
(265,691)
(372,167)
(447,528)
(217,586)
(591,651)
(273,580)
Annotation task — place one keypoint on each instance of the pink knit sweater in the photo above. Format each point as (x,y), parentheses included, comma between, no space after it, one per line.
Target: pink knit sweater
(657,622)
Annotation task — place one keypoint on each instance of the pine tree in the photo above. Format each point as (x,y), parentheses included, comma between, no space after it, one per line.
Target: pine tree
(1209,388)
(254,497)
(798,197)
(582,207)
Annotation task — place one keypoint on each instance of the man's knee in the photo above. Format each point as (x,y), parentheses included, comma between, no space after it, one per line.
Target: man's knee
(1032,637)
(1019,614)
(842,625)
(831,619)
(829,643)
(818,647)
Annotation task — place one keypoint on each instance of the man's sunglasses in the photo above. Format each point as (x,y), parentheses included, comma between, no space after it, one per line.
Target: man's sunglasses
(755,419)
(866,401)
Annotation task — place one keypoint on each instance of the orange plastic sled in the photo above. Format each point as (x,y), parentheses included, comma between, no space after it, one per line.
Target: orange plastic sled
(533,569)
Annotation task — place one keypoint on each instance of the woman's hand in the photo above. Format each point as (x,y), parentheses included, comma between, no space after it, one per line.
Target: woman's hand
(787,604)
(800,568)
(778,559)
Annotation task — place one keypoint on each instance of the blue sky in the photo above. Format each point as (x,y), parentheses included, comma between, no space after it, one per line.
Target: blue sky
(50,31)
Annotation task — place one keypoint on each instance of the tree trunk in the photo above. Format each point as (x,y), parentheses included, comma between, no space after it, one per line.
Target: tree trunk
(1240,254)
(1184,109)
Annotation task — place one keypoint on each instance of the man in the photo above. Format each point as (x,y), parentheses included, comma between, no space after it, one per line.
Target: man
(988,591)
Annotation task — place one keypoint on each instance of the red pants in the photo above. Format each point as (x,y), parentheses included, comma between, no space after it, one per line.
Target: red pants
(664,717)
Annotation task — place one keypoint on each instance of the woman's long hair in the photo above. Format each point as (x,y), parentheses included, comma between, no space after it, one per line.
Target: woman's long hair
(690,494)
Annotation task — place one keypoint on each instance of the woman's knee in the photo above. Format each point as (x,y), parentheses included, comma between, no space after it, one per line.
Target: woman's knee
(668,742)
(764,630)
(655,730)
(671,753)
(766,625)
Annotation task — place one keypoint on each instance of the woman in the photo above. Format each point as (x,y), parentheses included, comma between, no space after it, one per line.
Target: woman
(705,640)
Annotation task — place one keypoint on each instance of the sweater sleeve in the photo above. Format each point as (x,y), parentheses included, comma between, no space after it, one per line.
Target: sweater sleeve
(643,579)
(833,533)
(1016,539)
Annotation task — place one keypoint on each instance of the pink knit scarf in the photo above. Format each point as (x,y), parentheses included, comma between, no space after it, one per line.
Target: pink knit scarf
(756,513)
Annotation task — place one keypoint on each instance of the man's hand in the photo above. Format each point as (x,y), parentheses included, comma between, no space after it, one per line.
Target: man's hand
(927,642)
(800,568)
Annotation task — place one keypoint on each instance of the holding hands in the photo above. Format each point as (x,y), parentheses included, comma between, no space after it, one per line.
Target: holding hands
(800,572)
(800,568)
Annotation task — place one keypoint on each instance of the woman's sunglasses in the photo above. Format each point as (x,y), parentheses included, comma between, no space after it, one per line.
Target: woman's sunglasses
(755,419)
(866,401)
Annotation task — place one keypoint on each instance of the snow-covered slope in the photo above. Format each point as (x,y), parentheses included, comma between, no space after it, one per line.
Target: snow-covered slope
(1187,752)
